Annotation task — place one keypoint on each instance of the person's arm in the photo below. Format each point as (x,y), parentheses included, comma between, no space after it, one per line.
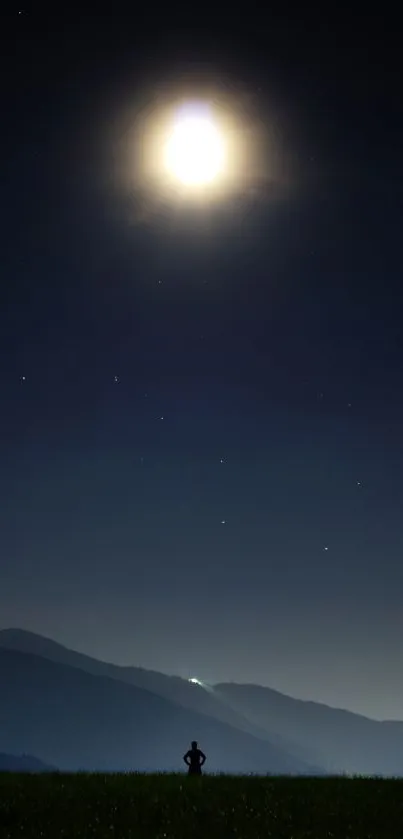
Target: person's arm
(186,758)
(203,758)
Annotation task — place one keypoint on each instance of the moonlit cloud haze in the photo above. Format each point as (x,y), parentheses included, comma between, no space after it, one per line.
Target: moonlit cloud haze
(201,404)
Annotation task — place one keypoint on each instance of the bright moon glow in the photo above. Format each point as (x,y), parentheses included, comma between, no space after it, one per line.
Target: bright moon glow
(195,150)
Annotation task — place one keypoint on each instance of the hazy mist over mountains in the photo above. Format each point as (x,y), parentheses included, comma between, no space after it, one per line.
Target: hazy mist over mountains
(73,712)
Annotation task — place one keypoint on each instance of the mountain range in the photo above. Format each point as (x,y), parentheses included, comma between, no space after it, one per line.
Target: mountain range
(22,763)
(75,712)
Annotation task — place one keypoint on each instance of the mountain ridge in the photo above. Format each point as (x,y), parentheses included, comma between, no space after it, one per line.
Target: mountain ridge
(23,763)
(76,720)
(175,688)
(311,734)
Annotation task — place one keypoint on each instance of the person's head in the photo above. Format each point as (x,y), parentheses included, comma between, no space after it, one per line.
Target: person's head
(194,744)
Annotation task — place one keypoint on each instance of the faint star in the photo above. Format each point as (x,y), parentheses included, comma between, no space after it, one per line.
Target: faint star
(221,460)
(23,378)
(359,484)
(223,521)
(326,548)
(349,405)
(116,379)
(161,418)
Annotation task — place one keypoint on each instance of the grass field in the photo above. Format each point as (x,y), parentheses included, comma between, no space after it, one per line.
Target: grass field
(175,807)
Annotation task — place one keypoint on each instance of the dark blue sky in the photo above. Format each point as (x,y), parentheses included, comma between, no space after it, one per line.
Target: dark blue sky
(254,533)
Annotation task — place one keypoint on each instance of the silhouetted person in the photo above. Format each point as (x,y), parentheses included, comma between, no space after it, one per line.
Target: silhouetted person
(194,759)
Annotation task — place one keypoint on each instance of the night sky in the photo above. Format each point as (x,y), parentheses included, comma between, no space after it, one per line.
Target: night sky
(201,411)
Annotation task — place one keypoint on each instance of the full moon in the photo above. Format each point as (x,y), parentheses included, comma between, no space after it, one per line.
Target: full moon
(189,150)
(194,151)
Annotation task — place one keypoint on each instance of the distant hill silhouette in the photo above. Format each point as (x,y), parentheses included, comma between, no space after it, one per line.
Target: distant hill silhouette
(306,734)
(76,720)
(342,741)
(178,690)
(23,763)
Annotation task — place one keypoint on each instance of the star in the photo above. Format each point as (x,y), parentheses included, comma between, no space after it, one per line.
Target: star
(116,379)
(325,548)
(223,521)
(23,378)
(359,484)
(221,460)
